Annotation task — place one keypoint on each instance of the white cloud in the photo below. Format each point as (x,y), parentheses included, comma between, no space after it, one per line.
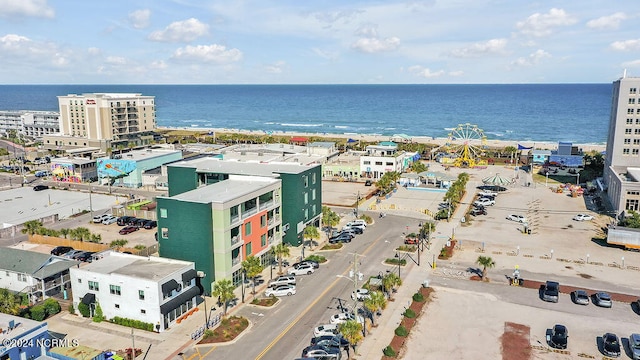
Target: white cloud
(20,49)
(374,45)
(208,53)
(275,68)
(370,31)
(607,22)
(634,63)
(490,47)
(181,31)
(456,73)
(539,25)
(13,42)
(328,55)
(31,8)
(94,51)
(533,59)
(139,19)
(626,45)
(424,72)
(115,60)
(159,64)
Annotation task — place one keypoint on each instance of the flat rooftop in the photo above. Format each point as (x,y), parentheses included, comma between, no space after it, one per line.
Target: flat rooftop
(21,326)
(227,190)
(270,169)
(150,268)
(138,155)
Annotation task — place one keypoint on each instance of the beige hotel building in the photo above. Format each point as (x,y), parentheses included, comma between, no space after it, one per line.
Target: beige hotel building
(103,120)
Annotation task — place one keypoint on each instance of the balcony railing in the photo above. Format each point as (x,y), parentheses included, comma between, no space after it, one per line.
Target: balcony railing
(235,239)
(249,212)
(266,204)
(235,219)
(235,261)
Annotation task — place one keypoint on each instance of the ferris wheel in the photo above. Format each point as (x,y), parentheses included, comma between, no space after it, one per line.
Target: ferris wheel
(467,141)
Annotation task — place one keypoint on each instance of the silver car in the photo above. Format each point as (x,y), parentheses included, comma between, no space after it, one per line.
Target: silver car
(580,297)
(634,345)
(603,299)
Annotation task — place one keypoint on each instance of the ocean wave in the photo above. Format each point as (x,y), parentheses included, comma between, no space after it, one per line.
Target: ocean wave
(449,129)
(269,123)
(301,125)
(341,127)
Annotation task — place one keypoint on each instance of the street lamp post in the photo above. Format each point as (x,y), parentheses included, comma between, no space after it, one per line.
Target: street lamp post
(398,259)
(357,204)
(242,285)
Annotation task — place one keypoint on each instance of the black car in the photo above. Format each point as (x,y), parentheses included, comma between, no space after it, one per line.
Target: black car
(150,224)
(342,238)
(123,220)
(330,341)
(40,187)
(61,250)
(551,291)
(476,212)
(368,183)
(610,345)
(323,352)
(559,337)
(140,222)
(86,256)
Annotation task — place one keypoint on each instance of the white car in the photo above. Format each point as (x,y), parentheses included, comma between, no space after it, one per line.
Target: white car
(484,202)
(302,269)
(100,218)
(324,330)
(281,290)
(358,222)
(517,218)
(344,317)
(583,217)
(360,294)
(110,220)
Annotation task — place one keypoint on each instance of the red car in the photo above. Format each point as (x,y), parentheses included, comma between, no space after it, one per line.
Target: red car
(127,230)
(411,241)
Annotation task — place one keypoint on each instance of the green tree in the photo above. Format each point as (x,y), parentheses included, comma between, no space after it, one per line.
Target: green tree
(511,150)
(311,232)
(376,301)
(51,306)
(631,221)
(390,281)
(8,303)
(38,312)
(223,289)
(352,331)
(98,315)
(486,262)
(418,166)
(31,227)
(280,251)
(252,267)
(118,244)
(329,217)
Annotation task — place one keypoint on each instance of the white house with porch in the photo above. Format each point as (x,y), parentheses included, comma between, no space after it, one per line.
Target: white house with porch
(36,274)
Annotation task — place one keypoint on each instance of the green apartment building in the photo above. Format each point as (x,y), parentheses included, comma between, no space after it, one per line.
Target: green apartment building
(194,232)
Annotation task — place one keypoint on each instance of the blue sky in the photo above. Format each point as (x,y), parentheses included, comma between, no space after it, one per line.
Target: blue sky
(317,42)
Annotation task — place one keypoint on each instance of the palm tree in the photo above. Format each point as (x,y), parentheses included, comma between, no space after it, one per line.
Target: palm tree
(428,228)
(118,244)
(252,267)
(223,289)
(390,281)
(8,303)
(280,250)
(64,232)
(31,227)
(329,217)
(376,301)
(352,331)
(486,262)
(310,232)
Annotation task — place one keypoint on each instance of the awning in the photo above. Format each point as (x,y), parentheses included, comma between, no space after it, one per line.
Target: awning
(179,300)
(188,275)
(299,139)
(169,286)
(89,298)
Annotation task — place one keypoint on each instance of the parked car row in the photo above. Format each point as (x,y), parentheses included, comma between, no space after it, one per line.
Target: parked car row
(136,222)
(348,232)
(327,342)
(551,291)
(558,338)
(71,253)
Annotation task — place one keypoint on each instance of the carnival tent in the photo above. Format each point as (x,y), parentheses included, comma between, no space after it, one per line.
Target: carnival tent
(497,180)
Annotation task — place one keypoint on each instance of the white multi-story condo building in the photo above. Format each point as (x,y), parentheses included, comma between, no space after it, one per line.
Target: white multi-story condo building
(104,120)
(384,157)
(29,123)
(151,289)
(622,159)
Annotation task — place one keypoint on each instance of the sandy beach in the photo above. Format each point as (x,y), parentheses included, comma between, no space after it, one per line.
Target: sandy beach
(492,143)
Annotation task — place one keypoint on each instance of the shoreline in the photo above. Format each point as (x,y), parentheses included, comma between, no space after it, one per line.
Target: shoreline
(492,143)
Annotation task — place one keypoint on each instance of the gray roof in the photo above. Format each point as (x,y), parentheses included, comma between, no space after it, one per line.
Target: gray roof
(37,264)
(270,169)
(223,191)
(150,268)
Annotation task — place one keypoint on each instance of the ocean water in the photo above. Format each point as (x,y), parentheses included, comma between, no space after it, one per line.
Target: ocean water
(523,112)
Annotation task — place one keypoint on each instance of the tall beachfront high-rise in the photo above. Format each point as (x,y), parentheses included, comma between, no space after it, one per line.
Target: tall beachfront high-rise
(104,120)
(622,159)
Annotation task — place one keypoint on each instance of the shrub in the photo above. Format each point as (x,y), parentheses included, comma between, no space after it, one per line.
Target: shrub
(410,313)
(317,258)
(366,218)
(418,297)
(51,306)
(98,315)
(71,309)
(388,351)
(136,324)
(84,309)
(401,331)
(38,312)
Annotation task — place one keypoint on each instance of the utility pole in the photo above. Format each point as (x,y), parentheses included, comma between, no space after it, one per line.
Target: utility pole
(90,203)
(133,345)
(355,279)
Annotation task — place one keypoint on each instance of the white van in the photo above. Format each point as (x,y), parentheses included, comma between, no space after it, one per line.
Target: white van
(357,222)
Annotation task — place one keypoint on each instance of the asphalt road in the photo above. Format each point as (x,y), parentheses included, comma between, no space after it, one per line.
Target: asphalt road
(284,330)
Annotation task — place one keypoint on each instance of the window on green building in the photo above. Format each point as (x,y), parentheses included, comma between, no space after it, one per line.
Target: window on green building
(306,180)
(247,250)
(164,233)
(263,240)
(313,194)
(313,178)
(306,198)
(247,229)
(163,213)
(306,214)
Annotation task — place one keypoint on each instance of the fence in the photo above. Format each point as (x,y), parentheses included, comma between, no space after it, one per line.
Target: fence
(16,229)
(78,245)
